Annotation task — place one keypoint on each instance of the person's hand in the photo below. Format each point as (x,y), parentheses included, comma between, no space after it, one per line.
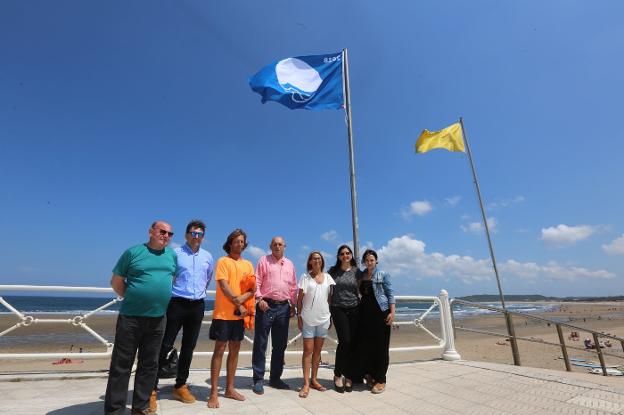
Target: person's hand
(390,319)
(292,311)
(300,323)
(264,306)
(237,300)
(243,310)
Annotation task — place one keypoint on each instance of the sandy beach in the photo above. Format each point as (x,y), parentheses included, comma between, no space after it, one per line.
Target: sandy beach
(602,317)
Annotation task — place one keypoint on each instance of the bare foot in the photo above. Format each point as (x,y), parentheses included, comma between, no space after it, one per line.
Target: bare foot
(233,394)
(213,401)
(305,390)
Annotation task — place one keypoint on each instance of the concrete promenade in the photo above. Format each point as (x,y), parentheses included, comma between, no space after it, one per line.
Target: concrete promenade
(432,387)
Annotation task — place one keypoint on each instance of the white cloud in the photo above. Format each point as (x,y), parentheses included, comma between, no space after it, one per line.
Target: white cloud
(418,207)
(174,245)
(255,252)
(564,234)
(329,235)
(506,202)
(477,227)
(452,201)
(616,247)
(406,257)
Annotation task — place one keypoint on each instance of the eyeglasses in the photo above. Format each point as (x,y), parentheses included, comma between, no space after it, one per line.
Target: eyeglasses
(163,232)
(197,234)
(345,253)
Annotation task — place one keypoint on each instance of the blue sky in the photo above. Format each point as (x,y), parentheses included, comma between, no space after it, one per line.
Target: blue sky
(117,113)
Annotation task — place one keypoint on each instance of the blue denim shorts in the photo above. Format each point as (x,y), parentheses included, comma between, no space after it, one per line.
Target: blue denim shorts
(309,332)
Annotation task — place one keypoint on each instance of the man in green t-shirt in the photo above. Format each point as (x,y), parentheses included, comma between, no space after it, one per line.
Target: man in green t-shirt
(143,276)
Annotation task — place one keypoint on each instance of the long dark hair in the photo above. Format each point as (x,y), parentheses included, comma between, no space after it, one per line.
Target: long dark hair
(369,252)
(337,265)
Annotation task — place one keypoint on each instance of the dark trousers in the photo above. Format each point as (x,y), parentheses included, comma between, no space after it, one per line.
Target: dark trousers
(274,320)
(345,322)
(186,315)
(133,334)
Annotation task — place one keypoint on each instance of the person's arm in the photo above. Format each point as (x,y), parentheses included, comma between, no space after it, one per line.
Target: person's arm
(118,283)
(299,308)
(260,272)
(294,293)
(209,272)
(237,300)
(387,286)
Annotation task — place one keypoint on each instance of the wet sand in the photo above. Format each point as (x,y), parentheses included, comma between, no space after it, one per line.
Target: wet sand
(602,317)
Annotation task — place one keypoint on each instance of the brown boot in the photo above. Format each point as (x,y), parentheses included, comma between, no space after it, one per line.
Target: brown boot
(183,394)
(153,401)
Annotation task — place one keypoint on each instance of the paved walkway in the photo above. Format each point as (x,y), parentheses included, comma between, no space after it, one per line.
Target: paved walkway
(435,387)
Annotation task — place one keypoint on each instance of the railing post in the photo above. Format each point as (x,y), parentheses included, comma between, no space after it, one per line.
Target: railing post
(600,356)
(512,339)
(449,352)
(564,350)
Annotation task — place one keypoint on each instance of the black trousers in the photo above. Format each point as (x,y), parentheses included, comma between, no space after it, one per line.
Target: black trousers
(186,315)
(346,321)
(133,334)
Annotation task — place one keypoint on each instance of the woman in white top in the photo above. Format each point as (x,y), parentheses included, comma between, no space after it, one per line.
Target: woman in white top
(314,318)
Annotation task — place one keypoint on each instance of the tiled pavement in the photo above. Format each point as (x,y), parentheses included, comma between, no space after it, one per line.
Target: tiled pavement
(434,387)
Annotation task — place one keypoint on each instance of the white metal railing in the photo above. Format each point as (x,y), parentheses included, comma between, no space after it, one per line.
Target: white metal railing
(445,341)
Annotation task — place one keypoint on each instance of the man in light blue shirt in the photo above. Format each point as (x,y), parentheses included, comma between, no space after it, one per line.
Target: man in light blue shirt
(195,267)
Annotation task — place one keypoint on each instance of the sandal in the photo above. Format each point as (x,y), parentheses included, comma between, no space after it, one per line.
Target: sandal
(303,394)
(318,387)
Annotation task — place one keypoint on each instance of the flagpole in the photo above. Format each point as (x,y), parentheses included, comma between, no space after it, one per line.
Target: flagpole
(510,328)
(354,214)
(485,224)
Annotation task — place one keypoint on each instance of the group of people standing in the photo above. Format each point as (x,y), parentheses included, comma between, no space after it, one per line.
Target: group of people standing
(164,291)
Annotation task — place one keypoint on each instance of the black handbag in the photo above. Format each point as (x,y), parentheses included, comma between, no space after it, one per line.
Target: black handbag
(169,368)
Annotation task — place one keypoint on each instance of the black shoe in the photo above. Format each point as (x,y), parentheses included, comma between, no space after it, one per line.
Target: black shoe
(348,387)
(278,384)
(339,389)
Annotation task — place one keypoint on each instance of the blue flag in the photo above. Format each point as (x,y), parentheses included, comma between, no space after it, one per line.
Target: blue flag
(308,82)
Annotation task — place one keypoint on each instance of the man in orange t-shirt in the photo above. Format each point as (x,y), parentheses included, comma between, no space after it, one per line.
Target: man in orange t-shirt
(227,328)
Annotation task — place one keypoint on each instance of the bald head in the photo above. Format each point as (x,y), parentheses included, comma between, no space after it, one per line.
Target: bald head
(160,234)
(278,245)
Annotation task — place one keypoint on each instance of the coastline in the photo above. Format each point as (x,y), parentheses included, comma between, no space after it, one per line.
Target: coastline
(602,317)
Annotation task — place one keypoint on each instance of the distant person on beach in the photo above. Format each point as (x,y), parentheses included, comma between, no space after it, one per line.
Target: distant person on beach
(227,328)
(345,315)
(143,276)
(195,267)
(276,295)
(313,318)
(377,307)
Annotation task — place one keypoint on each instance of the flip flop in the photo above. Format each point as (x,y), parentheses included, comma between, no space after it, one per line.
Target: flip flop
(303,394)
(318,387)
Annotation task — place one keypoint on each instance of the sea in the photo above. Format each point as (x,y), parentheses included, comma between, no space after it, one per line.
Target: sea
(74,338)
(405,310)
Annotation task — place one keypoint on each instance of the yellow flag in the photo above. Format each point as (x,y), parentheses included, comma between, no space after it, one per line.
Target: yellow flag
(449,138)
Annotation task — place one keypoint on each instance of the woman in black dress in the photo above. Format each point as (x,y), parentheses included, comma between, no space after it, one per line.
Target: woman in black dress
(377,307)
(344,311)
